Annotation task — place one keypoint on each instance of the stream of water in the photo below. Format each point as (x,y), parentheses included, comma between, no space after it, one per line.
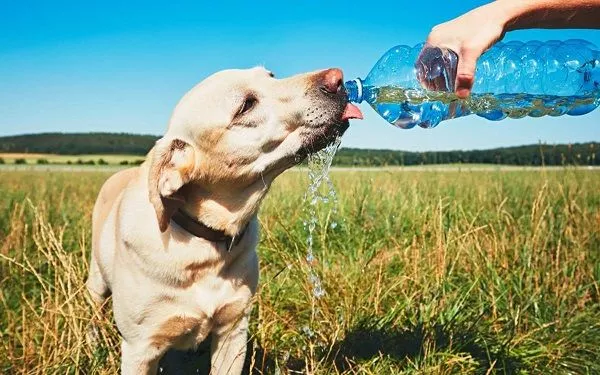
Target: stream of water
(320,193)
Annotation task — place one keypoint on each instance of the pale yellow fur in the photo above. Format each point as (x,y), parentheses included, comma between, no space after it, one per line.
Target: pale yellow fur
(171,289)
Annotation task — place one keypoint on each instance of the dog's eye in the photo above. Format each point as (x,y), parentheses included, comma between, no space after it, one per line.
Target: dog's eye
(249,103)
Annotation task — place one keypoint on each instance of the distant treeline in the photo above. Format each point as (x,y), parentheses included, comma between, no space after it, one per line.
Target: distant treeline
(79,143)
(134,144)
(540,154)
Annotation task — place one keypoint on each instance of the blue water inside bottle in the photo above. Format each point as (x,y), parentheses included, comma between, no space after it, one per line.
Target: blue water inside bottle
(412,86)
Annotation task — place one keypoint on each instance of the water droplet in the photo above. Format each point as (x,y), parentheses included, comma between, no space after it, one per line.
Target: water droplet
(307,331)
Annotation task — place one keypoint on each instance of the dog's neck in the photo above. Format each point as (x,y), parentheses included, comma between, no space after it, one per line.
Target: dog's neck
(226,210)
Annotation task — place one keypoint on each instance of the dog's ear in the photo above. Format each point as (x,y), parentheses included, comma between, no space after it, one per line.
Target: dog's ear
(171,167)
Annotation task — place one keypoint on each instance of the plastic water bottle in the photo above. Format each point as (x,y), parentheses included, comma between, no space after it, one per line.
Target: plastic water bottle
(414,85)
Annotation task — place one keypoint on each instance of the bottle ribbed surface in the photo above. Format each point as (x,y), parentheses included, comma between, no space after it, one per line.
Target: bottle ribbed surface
(539,68)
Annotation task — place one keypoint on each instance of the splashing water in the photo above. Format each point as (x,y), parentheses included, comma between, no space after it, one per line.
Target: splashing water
(318,173)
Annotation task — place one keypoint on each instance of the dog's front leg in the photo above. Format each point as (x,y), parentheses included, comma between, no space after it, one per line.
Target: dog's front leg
(139,359)
(228,348)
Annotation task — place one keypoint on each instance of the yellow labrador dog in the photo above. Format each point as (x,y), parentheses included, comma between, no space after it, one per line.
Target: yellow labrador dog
(174,240)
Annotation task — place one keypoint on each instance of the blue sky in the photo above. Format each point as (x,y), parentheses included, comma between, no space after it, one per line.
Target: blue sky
(121,66)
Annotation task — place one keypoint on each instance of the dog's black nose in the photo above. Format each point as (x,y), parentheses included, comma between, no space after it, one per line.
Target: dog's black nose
(331,81)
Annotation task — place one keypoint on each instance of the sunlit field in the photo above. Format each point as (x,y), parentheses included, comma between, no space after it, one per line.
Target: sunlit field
(429,272)
(41,159)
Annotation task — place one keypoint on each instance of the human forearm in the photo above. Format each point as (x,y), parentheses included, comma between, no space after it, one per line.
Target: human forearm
(549,14)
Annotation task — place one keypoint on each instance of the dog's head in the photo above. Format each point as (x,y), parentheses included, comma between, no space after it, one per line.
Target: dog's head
(237,130)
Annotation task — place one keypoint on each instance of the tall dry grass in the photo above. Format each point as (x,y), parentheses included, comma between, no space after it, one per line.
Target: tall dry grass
(427,272)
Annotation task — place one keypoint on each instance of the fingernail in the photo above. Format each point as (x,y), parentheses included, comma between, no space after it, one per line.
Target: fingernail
(462,92)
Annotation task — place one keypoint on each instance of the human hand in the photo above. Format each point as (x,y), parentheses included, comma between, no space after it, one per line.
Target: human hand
(469,36)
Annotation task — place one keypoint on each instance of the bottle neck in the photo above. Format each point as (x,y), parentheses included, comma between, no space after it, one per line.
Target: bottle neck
(354,90)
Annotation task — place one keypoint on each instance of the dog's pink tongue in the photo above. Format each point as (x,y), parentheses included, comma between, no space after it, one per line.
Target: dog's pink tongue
(351,111)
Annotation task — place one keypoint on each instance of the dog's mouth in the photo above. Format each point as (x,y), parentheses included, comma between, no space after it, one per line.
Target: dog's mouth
(319,137)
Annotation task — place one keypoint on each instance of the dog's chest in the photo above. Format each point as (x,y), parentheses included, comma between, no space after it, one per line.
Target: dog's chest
(218,299)
(219,288)
(212,304)
(209,292)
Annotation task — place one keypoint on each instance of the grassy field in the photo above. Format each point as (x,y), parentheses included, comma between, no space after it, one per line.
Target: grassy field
(109,159)
(429,272)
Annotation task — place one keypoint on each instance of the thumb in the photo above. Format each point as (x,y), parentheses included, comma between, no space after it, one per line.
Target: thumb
(465,72)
